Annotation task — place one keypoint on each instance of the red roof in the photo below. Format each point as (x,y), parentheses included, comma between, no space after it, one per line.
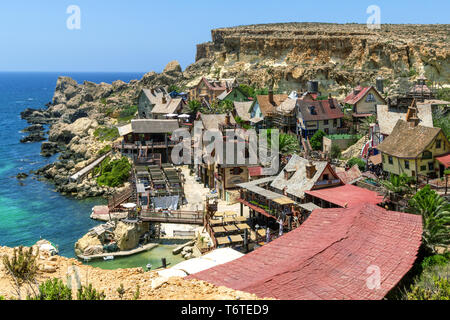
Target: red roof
(347,195)
(320,109)
(445,160)
(352,98)
(333,255)
(351,175)
(255,171)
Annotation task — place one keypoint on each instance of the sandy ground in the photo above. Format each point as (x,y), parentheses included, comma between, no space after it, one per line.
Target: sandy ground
(152,287)
(196,195)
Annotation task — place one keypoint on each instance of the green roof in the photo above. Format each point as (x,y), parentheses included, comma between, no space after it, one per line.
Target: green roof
(341,136)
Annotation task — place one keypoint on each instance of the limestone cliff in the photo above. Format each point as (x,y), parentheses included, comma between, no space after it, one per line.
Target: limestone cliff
(336,54)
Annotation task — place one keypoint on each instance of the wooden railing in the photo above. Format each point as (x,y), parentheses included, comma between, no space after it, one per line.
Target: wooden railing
(118,198)
(184,217)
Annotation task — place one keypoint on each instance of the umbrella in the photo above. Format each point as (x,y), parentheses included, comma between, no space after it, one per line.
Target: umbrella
(129,205)
(171,115)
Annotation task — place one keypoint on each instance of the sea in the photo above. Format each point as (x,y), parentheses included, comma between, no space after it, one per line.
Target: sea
(30,209)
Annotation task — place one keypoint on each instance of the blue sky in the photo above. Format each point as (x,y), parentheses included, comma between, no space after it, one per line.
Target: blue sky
(141,36)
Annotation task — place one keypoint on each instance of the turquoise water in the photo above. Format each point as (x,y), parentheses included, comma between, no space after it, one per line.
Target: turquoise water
(141,260)
(31,209)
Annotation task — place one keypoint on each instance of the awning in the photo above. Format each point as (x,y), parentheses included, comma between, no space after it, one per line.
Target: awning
(445,160)
(283,201)
(256,208)
(376,159)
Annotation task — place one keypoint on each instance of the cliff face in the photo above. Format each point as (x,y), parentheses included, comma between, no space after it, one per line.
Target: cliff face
(335,54)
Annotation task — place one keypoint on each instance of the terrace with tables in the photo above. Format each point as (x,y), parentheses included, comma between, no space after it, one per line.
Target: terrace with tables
(227,229)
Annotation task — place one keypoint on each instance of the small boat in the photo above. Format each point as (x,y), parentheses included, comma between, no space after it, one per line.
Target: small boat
(108,258)
(149,266)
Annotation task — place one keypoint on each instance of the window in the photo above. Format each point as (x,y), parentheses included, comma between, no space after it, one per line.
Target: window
(236,171)
(430,166)
(438,144)
(384,159)
(406,164)
(423,168)
(325,122)
(335,123)
(370,98)
(390,160)
(427,155)
(326,177)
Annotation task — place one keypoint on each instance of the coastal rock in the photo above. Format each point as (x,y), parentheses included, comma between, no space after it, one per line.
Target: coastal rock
(49,148)
(34,128)
(22,176)
(33,137)
(127,236)
(85,242)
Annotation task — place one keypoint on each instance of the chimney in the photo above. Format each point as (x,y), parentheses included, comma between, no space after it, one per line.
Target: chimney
(411,115)
(228,119)
(310,170)
(330,101)
(380,85)
(164,99)
(271,100)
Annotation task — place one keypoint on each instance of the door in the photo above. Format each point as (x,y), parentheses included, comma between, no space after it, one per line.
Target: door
(441,170)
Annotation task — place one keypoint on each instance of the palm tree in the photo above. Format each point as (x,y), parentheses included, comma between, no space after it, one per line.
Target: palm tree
(397,186)
(287,144)
(194,106)
(435,212)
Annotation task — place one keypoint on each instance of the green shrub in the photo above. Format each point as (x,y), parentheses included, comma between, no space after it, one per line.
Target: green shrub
(247,90)
(317,140)
(121,291)
(104,150)
(137,293)
(106,133)
(127,113)
(335,151)
(114,173)
(438,288)
(89,293)
(437,259)
(2,298)
(53,289)
(23,264)
(360,162)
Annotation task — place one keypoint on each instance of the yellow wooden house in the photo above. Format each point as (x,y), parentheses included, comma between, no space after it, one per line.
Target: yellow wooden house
(412,149)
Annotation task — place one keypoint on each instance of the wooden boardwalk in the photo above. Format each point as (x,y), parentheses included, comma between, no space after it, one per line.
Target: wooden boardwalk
(181,217)
(88,168)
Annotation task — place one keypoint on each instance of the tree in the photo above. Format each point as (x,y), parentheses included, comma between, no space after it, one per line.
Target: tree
(365,125)
(397,186)
(247,90)
(358,161)
(194,106)
(288,144)
(435,212)
(317,139)
(335,151)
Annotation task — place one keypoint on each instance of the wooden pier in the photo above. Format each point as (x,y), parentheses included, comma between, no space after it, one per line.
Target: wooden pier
(181,217)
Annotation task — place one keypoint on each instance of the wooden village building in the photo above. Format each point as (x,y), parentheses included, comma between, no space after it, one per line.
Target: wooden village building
(148,140)
(325,115)
(364,101)
(413,149)
(264,110)
(208,90)
(157,103)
